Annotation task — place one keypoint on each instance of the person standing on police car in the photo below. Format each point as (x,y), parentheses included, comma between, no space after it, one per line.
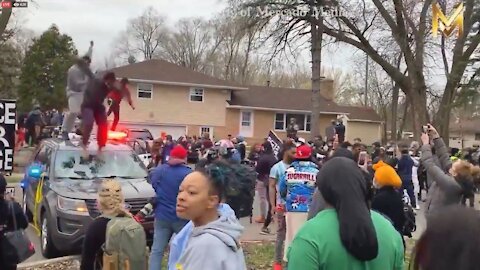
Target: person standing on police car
(7,204)
(77,83)
(116,97)
(292,129)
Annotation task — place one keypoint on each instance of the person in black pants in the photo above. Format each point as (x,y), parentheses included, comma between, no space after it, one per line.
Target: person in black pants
(116,97)
(265,163)
(6,220)
(110,202)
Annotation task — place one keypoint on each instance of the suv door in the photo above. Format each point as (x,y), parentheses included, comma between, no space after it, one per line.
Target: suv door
(41,158)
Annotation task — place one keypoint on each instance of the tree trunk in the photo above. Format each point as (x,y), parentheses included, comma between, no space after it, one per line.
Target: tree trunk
(404,121)
(418,101)
(317,32)
(393,130)
(4,18)
(385,119)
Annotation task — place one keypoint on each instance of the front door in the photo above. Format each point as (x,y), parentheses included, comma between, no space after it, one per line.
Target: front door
(246,124)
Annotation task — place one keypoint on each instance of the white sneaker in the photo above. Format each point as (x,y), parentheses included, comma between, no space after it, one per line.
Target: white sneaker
(417,207)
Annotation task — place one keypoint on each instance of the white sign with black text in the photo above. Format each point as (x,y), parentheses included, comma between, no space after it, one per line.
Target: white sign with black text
(8,118)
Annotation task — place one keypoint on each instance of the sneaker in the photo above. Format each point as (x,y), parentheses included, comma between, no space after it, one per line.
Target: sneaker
(417,207)
(265,231)
(277,266)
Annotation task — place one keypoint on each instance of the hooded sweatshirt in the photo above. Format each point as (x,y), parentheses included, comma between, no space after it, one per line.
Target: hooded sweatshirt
(180,240)
(214,246)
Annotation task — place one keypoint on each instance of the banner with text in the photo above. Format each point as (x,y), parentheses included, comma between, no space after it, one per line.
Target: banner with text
(8,116)
(275,141)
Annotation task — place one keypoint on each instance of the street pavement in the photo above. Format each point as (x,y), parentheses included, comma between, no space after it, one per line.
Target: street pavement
(251,233)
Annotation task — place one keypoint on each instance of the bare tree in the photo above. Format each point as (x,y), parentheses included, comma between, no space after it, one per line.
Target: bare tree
(143,35)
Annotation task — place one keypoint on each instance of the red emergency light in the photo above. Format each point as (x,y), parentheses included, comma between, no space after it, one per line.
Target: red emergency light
(116,135)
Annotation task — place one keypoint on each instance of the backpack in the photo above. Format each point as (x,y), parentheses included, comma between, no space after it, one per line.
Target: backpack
(240,193)
(125,245)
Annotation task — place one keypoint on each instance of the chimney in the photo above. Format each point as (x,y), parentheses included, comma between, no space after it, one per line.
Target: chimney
(326,89)
(268,83)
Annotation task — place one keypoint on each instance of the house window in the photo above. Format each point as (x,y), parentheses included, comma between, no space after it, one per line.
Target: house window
(477,136)
(282,121)
(246,119)
(196,94)
(144,90)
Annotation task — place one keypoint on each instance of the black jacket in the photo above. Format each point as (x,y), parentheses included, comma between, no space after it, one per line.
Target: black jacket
(6,223)
(388,202)
(264,164)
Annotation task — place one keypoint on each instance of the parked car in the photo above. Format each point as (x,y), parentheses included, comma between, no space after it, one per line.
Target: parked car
(63,204)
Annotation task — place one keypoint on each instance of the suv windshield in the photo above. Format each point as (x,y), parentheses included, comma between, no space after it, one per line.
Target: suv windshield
(122,164)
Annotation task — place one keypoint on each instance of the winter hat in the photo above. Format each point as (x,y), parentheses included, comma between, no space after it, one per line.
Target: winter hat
(385,175)
(110,198)
(178,152)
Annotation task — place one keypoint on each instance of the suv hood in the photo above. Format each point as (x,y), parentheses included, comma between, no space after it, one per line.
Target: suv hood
(88,189)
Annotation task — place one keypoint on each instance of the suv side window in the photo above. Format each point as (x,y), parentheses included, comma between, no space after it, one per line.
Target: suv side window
(43,157)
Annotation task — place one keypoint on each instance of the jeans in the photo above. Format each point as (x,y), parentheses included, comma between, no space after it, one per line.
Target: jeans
(409,188)
(262,194)
(97,115)
(281,234)
(74,101)
(115,108)
(161,236)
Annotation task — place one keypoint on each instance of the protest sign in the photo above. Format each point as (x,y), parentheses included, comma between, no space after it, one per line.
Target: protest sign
(8,118)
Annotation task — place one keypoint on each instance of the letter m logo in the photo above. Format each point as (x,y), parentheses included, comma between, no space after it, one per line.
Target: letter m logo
(447,26)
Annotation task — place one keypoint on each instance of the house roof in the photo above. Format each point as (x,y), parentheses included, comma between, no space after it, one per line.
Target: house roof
(163,72)
(466,125)
(289,99)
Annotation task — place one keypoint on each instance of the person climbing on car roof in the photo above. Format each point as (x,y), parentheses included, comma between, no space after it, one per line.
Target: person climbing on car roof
(116,97)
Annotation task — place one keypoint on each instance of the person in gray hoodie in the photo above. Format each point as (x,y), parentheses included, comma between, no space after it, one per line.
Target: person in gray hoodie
(446,180)
(198,199)
(77,83)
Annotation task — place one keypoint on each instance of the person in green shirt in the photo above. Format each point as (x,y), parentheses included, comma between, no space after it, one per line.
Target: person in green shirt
(346,235)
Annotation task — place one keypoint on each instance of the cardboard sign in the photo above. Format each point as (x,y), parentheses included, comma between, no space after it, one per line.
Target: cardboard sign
(8,119)
(275,142)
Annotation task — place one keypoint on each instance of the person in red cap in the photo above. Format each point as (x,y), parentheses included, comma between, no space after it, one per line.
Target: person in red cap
(166,180)
(296,189)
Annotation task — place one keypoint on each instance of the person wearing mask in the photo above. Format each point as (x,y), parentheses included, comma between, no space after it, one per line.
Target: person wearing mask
(296,189)
(166,180)
(405,170)
(346,235)
(277,205)
(111,202)
(35,122)
(77,84)
(167,148)
(387,199)
(450,241)
(7,205)
(447,180)
(199,197)
(265,163)
(116,98)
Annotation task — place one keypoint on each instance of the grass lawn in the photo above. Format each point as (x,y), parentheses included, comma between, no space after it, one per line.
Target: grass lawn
(259,256)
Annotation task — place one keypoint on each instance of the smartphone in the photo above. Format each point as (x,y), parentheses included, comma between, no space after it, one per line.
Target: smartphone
(362,157)
(425,129)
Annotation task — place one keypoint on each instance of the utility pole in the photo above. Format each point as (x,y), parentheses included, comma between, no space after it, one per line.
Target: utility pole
(366,80)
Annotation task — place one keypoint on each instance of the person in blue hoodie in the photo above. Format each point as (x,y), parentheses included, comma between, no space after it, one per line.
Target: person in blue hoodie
(296,188)
(405,168)
(199,197)
(167,149)
(180,240)
(166,180)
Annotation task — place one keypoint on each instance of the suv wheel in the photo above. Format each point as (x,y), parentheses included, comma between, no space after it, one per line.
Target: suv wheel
(25,207)
(48,249)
